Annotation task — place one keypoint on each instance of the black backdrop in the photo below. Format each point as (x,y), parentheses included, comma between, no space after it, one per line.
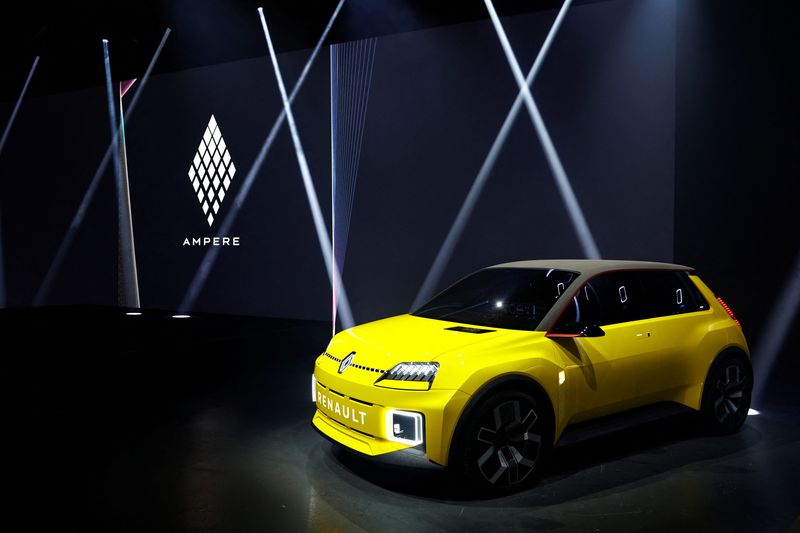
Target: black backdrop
(677,122)
(438,98)
(736,160)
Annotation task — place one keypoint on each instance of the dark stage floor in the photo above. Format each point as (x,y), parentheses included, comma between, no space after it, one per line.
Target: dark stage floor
(150,423)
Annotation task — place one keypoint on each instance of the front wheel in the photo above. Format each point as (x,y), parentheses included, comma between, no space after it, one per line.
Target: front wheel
(727,393)
(507,439)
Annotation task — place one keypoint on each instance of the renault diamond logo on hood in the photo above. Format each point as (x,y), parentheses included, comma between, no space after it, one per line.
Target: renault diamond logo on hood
(347,361)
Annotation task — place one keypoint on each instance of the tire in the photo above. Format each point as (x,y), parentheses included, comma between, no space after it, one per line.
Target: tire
(505,443)
(726,394)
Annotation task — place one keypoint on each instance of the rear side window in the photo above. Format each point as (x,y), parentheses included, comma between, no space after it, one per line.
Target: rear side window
(668,293)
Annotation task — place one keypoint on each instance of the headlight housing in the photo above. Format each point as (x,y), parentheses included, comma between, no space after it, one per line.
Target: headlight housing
(417,373)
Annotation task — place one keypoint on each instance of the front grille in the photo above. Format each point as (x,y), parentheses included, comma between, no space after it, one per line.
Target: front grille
(354,365)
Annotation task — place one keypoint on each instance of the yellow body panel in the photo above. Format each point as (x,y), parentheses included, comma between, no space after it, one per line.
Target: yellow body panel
(635,363)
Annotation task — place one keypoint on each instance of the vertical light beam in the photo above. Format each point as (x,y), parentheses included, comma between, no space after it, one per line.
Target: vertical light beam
(308,183)
(334,126)
(210,258)
(66,242)
(127,293)
(2,144)
(776,329)
(130,297)
(454,235)
(567,194)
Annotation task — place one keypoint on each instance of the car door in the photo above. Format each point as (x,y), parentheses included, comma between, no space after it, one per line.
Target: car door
(601,373)
(674,328)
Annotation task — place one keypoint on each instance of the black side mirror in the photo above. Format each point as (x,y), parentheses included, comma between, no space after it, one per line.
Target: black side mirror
(592,330)
(576,330)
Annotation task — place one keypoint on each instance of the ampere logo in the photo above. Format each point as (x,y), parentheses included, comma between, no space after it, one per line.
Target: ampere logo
(210,174)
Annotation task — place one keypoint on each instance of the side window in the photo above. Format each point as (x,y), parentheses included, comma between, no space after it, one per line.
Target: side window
(665,293)
(621,298)
(607,299)
(668,293)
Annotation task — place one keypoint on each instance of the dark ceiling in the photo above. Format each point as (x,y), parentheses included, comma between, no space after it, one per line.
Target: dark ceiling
(67,35)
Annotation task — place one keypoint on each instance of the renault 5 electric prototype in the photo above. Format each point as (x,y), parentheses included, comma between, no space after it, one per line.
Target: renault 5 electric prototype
(486,376)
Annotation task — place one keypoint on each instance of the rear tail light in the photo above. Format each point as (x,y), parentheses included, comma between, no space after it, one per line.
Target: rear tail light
(728,310)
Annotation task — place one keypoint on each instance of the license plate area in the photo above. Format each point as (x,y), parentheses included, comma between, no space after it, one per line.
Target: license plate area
(355,414)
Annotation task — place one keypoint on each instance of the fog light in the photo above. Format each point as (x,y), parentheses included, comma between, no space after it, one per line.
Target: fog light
(404,427)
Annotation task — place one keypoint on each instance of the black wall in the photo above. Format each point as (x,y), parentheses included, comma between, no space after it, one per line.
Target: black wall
(677,122)
(438,98)
(736,160)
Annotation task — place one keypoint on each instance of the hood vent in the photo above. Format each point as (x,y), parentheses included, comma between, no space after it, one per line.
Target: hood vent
(465,329)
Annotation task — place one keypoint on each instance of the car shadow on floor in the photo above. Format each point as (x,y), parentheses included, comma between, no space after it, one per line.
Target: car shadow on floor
(624,457)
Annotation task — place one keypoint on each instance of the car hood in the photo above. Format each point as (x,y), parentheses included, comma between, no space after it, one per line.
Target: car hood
(407,338)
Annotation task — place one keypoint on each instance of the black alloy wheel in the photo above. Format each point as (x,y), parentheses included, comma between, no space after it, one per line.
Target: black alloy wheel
(727,394)
(508,439)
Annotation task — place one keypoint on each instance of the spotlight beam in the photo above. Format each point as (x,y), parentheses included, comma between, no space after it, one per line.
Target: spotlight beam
(777,328)
(18,104)
(2,144)
(77,220)
(334,106)
(562,181)
(127,284)
(457,229)
(210,258)
(308,183)
(112,116)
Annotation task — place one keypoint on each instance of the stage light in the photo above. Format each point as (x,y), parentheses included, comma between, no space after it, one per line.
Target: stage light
(133,313)
(308,184)
(128,283)
(210,258)
(2,144)
(776,329)
(351,98)
(753,412)
(562,181)
(77,220)
(181,316)
(18,104)
(457,229)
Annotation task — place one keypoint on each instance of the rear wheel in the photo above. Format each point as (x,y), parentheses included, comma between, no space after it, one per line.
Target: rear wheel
(506,442)
(727,393)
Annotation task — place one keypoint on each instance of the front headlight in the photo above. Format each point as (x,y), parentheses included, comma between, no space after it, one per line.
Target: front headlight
(412,372)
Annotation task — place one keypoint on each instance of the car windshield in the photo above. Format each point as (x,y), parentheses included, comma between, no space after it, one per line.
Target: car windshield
(510,298)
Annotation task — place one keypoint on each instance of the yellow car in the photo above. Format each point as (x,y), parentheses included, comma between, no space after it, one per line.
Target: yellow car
(486,376)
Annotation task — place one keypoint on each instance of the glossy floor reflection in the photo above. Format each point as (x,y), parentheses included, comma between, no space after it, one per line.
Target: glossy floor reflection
(203,425)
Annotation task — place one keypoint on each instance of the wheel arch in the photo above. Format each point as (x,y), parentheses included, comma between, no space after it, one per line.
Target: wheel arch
(513,382)
(726,352)
(731,351)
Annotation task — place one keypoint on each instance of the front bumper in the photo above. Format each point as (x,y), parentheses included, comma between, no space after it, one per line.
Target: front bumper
(352,411)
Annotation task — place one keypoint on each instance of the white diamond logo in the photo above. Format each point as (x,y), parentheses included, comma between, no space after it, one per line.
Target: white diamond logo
(212,173)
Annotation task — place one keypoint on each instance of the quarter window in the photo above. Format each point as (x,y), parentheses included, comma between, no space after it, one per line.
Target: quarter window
(668,293)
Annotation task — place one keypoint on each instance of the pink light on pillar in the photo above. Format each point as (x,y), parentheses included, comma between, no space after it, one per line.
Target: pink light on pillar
(124,86)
